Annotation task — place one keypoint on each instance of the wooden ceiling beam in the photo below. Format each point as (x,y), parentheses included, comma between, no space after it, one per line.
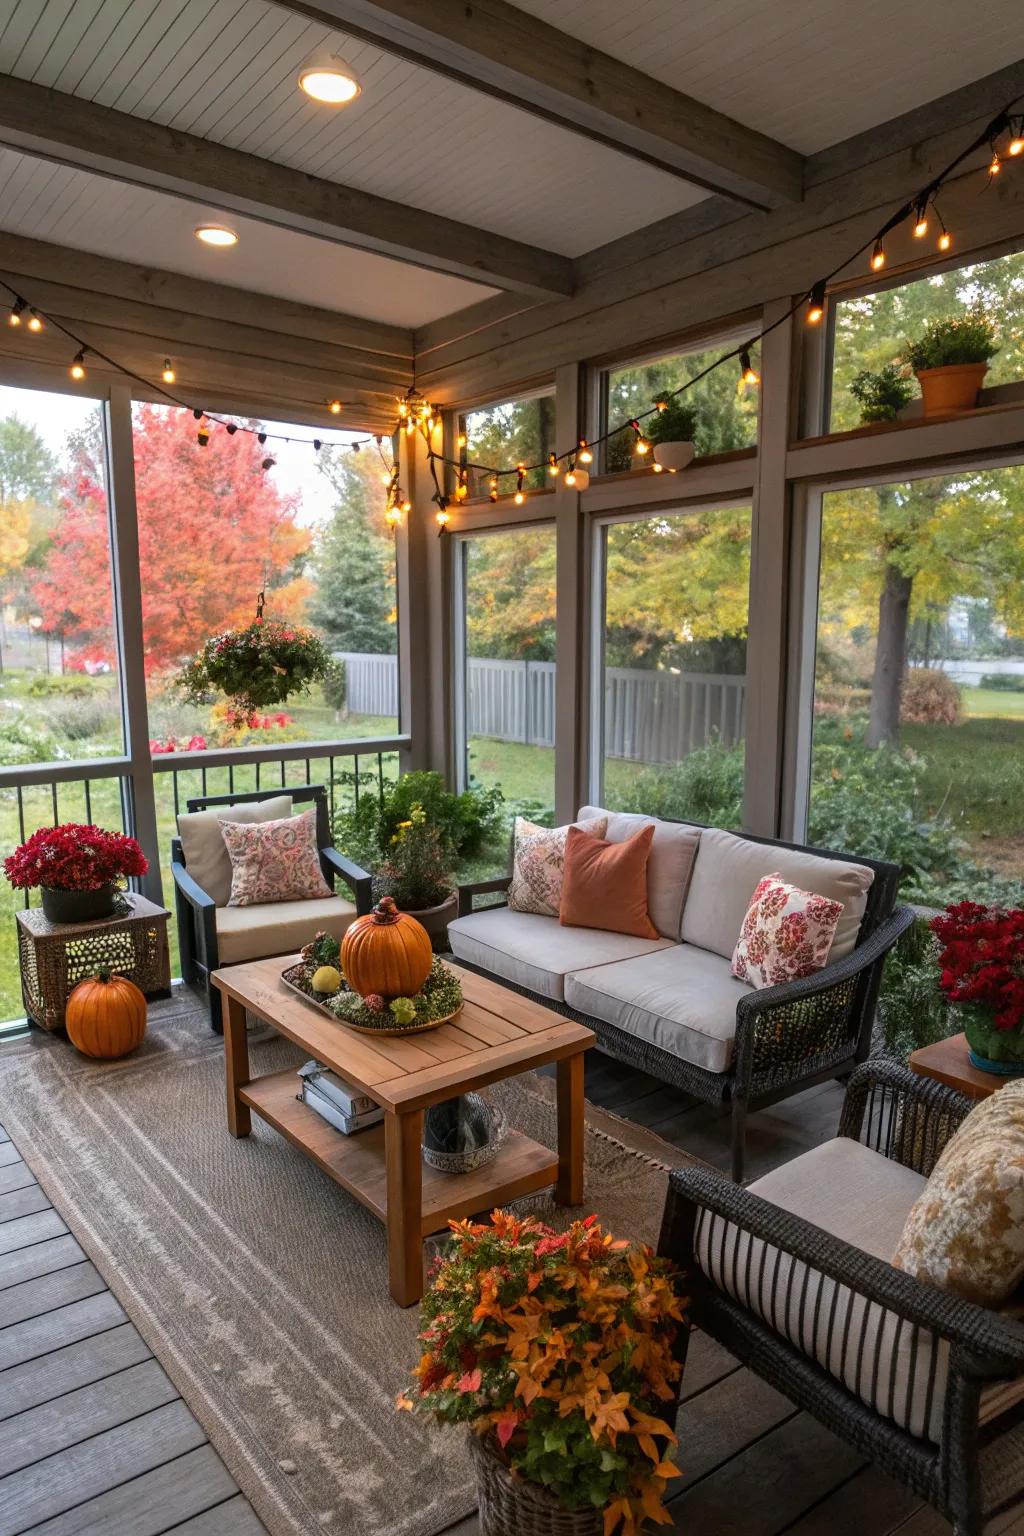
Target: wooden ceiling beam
(492,46)
(72,131)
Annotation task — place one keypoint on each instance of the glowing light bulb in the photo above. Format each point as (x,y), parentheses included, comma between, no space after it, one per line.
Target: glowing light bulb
(443,517)
(14,318)
(462,439)
(585,456)
(748,372)
(77,369)
(658,468)
(519,498)
(333,84)
(816,305)
(552,465)
(570,478)
(168,374)
(34,322)
(878,257)
(945,240)
(406,506)
(921,227)
(335,407)
(1015,146)
(642,445)
(994,166)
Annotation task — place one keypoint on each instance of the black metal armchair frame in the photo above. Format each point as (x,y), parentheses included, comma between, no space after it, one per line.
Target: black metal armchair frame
(972,1474)
(788,1037)
(196,910)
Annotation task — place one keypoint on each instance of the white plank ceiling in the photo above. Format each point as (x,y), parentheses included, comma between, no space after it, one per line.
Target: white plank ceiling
(808,72)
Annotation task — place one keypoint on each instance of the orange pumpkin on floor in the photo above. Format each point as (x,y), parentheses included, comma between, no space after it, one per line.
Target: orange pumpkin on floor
(387,952)
(106,1016)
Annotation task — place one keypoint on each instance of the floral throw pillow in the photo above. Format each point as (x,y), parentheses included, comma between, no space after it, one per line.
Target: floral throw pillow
(787,933)
(538,864)
(274,860)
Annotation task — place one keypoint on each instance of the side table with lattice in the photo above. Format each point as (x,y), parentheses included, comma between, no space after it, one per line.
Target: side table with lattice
(55,957)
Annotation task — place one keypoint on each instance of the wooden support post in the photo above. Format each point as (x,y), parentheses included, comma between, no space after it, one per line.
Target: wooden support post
(236,1066)
(403,1136)
(571,625)
(569,1189)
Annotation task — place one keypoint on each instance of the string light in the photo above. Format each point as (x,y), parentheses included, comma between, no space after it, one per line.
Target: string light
(1016,144)
(584,455)
(335,407)
(878,257)
(461,487)
(570,478)
(34,322)
(945,239)
(519,497)
(816,306)
(492,487)
(203,434)
(442,516)
(14,318)
(462,440)
(552,464)
(168,375)
(268,463)
(748,372)
(77,369)
(995,164)
(640,443)
(921,223)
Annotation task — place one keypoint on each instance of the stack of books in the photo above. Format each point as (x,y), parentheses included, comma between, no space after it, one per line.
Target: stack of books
(336,1101)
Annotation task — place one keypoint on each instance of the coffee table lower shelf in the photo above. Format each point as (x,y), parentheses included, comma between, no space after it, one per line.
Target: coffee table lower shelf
(358,1162)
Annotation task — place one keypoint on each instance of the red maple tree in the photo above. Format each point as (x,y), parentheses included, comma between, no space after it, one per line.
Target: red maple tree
(213,530)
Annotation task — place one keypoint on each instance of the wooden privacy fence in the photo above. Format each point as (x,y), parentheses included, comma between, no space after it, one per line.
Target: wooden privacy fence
(649,717)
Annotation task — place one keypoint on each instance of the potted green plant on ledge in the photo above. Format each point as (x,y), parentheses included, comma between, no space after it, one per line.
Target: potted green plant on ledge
(557,1350)
(951,359)
(882,395)
(981,973)
(416,877)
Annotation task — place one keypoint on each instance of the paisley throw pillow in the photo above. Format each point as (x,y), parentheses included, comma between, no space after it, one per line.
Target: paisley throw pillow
(786,934)
(538,864)
(274,860)
(965,1231)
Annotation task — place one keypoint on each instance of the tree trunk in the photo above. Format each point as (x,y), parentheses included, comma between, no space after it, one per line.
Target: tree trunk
(890,658)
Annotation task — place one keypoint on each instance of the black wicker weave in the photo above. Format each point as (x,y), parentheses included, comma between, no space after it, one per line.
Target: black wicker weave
(977,1470)
(788,1037)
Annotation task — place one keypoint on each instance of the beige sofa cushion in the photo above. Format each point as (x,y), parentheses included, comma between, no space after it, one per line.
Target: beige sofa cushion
(536,952)
(202,842)
(727,871)
(669,868)
(278,927)
(862,1198)
(682,999)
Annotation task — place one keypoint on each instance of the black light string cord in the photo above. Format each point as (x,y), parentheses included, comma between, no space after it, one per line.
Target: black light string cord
(813,296)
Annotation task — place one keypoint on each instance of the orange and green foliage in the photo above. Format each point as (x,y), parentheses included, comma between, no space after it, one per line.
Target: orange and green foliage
(561,1345)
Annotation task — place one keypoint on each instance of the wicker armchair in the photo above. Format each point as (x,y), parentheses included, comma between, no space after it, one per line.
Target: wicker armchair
(199,943)
(787,1037)
(927,1385)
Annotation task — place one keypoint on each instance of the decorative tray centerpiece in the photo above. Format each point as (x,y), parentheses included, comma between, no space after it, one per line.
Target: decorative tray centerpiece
(381,979)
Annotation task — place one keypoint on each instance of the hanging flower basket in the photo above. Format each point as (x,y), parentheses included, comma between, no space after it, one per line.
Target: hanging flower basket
(256,667)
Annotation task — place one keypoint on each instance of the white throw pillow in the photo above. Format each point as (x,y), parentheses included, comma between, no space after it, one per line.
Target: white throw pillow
(538,864)
(786,934)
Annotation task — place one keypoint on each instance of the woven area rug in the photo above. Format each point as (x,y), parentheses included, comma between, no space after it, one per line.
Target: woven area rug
(259,1283)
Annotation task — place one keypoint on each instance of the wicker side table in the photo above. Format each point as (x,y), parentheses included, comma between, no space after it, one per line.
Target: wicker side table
(55,957)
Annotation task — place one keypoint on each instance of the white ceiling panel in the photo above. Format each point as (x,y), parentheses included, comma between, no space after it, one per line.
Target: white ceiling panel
(74,208)
(807,72)
(227,71)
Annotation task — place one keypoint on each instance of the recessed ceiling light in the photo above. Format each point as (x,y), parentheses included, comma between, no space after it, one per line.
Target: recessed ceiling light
(216,234)
(333,83)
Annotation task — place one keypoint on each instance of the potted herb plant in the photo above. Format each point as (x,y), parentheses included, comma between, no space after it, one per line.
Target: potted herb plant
(951,359)
(77,868)
(882,395)
(416,877)
(981,973)
(558,1350)
(670,434)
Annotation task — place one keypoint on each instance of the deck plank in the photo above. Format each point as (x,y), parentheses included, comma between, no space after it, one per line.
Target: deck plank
(235,1518)
(869,1501)
(76,1365)
(26,1230)
(38,1259)
(8,1153)
(15,1175)
(41,1432)
(59,1288)
(155,1502)
(39,1335)
(23,1202)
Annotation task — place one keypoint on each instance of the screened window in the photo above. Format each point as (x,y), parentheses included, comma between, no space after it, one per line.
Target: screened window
(918,730)
(675,650)
(514,432)
(717,413)
(872,330)
(509,679)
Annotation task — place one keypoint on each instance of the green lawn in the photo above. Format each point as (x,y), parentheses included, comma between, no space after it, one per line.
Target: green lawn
(993,702)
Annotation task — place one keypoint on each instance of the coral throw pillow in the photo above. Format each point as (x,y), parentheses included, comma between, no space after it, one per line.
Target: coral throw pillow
(605,884)
(274,860)
(538,860)
(965,1231)
(787,933)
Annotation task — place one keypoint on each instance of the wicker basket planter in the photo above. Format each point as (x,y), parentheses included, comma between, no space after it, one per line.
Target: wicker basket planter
(510,1505)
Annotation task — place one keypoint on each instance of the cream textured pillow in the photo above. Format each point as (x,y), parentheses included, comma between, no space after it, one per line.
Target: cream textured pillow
(538,864)
(965,1231)
(786,934)
(274,860)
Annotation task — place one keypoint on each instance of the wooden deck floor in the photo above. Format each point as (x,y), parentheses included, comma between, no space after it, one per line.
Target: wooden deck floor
(95,1441)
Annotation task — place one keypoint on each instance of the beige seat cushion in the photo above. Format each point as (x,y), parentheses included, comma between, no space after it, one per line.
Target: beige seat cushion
(277,927)
(669,868)
(727,871)
(536,952)
(682,999)
(202,842)
(863,1198)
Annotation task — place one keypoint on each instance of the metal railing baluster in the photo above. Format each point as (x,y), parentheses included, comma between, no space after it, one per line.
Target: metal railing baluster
(355,762)
(53,796)
(88,803)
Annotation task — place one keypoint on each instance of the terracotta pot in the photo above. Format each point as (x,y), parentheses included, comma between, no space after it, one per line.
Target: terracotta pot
(436,919)
(78,906)
(953,388)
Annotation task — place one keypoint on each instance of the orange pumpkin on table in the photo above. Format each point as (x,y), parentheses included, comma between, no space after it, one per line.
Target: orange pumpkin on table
(387,952)
(106,1016)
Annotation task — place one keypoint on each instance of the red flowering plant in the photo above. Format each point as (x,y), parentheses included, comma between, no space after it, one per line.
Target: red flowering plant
(73,857)
(256,667)
(560,1346)
(981,973)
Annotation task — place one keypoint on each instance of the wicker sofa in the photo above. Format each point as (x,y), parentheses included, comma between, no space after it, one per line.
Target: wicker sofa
(792,1275)
(670,1005)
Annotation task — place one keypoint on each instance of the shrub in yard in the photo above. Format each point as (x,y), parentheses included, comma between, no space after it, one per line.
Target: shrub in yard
(929,698)
(22,743)
(1003,682)
(706,786)
(911,1007)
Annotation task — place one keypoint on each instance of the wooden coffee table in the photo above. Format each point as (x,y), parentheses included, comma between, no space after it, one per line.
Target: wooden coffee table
(498,1034)
(947,1062)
